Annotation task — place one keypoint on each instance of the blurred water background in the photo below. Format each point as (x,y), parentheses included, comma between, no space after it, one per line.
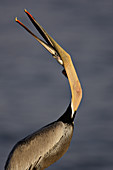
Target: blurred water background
(33,92)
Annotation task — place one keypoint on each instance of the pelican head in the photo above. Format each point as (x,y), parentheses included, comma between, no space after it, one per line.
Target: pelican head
(62,57)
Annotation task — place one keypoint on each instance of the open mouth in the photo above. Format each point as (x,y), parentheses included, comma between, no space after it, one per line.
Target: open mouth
(49,44)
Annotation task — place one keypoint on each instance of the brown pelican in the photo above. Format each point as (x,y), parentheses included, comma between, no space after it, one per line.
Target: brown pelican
(44,147)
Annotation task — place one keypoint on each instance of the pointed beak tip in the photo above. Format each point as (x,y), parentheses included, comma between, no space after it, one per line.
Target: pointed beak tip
(28,14)
(25,10)
(16,19)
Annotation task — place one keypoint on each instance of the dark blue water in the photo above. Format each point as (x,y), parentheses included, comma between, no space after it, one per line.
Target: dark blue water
(33,91)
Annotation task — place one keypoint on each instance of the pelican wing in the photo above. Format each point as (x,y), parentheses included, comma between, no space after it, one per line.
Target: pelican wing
(40,149)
